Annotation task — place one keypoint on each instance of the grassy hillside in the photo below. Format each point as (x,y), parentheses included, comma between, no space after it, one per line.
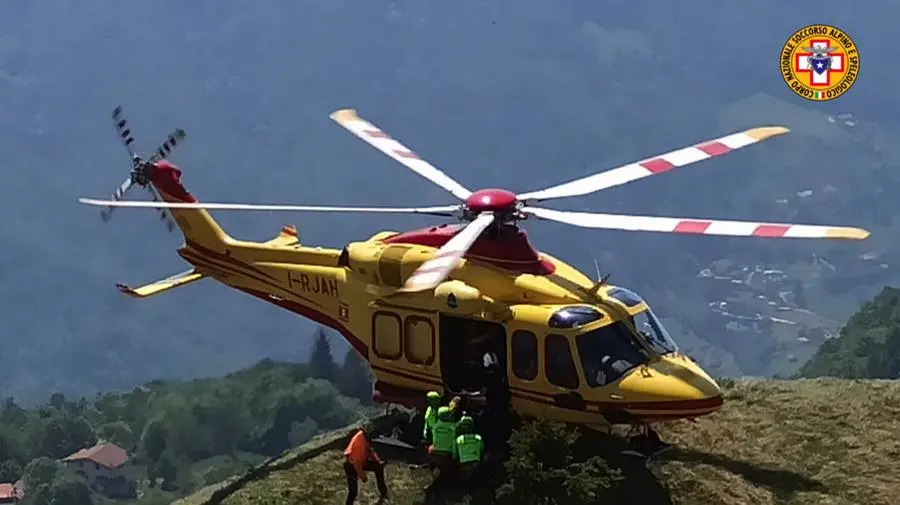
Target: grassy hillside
(816,441)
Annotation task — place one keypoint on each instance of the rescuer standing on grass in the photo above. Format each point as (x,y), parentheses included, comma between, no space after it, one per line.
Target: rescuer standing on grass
(359,458)
(441,451)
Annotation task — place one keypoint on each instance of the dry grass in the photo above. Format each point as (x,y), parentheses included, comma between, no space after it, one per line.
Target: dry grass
(817,441)
(321,481)
(775,442)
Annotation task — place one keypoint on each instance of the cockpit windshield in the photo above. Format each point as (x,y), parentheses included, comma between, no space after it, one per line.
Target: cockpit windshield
(645,321)
(654,332)
(608,353)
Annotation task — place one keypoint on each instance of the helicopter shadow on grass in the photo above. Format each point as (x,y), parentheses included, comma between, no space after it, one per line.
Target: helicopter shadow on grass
(783,483)
(638,485)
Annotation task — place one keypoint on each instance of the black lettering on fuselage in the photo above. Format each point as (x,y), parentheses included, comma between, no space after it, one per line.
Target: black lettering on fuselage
(317,285)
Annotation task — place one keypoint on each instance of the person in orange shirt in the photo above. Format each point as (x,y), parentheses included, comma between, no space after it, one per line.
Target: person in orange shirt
(359,458)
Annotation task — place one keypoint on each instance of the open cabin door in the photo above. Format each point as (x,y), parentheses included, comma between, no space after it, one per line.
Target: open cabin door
(463,344)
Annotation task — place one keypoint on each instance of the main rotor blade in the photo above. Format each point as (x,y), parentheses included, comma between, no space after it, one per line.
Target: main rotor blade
(446,210)
(374,136)
(697,226)
(435,270)
(656,165)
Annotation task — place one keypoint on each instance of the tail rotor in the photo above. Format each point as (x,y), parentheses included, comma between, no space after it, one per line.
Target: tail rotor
(141,170)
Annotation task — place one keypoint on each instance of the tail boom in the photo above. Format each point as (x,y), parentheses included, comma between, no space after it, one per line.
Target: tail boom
(196,224)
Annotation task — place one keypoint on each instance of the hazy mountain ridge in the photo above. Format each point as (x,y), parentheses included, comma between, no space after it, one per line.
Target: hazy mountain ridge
(541,93)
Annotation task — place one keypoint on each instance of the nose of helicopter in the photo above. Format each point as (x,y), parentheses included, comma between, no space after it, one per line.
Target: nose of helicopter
(671,387)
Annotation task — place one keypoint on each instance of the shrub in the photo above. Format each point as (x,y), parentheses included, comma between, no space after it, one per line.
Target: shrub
(544,470)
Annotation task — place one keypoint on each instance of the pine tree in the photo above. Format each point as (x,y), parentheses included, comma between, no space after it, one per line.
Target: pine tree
(321,363)
(356,379)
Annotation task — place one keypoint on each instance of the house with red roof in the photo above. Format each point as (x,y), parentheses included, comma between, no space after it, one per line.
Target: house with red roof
(106,467)
(11,493)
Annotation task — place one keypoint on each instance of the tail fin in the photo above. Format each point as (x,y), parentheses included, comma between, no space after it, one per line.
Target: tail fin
(197,224)
(287,236)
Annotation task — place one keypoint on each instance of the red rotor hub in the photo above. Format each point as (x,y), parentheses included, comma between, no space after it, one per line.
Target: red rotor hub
(492,200)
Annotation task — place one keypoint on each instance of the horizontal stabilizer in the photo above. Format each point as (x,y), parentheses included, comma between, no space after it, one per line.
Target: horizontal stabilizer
(161,285)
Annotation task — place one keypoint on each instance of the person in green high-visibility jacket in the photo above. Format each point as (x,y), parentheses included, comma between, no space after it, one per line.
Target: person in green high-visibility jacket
(433,400)
(443,444)
(443,433)
(469,447)
(468,451)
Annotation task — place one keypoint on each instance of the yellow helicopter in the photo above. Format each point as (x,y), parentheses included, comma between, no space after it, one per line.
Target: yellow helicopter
(421,306)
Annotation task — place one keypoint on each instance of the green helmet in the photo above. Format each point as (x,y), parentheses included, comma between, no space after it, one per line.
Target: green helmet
(466,422)
(433,398)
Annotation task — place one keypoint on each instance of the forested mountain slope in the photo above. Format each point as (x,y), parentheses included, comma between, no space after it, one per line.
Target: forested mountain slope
(869,344)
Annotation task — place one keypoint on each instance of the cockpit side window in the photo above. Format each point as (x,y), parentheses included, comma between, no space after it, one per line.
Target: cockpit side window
(558,363)
(525,355)
(608,353)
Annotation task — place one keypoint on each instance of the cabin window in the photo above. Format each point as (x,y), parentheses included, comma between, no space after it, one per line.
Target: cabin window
(419,340)
(558,363)
(608,353)
(626,296)
(574,316)
(386,335)
(525,355)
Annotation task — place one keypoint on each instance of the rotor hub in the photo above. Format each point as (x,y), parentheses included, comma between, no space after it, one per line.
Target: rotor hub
(492,200)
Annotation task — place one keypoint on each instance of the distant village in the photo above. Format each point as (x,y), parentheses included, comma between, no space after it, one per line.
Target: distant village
(754,299)
(105,468)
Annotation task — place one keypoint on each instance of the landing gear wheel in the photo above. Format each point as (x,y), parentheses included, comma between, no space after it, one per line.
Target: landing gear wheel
(644,441)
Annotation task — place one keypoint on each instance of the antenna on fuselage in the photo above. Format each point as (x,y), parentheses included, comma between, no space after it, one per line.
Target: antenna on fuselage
(601,279)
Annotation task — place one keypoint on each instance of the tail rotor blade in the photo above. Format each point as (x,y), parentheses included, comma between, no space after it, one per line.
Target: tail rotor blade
(166,147)
(123,130)
(139,174)
(117,195)
(163,213)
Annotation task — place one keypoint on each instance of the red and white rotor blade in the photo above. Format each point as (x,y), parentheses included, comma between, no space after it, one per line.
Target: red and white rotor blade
(697,226)
(435,270)
(441,211)
(657,164)
(377,138)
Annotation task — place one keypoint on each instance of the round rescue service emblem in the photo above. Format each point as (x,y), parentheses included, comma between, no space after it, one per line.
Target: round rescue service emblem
(819,62)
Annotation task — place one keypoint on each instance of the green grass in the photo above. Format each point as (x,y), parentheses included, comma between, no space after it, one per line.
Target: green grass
(804,442)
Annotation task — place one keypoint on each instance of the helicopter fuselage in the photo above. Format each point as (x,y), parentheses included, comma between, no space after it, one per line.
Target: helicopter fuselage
(561,333)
